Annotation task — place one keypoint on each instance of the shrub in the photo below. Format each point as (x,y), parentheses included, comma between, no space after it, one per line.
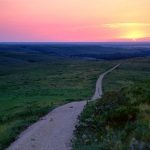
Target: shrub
(122,115)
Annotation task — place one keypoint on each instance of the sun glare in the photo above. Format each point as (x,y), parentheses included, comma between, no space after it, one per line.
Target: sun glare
(130,30)
(134,35)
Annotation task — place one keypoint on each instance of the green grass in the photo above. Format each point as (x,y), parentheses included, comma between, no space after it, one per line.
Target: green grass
(28,91)
(130,71)
(121,119)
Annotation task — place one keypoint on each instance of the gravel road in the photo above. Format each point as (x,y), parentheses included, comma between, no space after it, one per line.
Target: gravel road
(55,130)
(98,89)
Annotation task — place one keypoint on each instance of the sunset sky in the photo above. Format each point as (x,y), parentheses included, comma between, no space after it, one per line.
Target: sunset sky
(74,20)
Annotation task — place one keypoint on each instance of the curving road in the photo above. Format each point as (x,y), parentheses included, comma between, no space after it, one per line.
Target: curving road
(55,130)
(98,90)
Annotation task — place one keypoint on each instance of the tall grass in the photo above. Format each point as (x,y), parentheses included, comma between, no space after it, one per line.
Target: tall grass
(29,91)
(121,119)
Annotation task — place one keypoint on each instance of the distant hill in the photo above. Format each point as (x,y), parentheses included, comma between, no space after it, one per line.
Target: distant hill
(34,52)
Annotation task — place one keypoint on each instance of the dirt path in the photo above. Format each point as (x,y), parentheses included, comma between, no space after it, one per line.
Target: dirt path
(98,90)
(55,130)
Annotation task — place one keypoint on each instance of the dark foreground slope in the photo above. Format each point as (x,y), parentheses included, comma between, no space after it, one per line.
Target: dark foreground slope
(119,121)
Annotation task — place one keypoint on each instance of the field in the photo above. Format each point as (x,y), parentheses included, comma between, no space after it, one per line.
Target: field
(28,91)
(120,120)
(130,71)
(35,78)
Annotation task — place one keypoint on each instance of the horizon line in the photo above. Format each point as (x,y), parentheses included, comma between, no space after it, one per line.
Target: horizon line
(75,42)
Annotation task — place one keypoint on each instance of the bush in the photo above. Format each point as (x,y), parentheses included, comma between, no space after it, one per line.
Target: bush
(122,115)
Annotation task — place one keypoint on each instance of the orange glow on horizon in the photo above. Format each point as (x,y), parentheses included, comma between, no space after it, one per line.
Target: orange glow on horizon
(134,35)
(130,31)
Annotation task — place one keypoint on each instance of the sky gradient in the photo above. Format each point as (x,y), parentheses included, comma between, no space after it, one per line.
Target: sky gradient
(74,20)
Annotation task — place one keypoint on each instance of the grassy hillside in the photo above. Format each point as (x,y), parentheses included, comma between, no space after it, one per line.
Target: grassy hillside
(30,90)
(34,79)
(119,121)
